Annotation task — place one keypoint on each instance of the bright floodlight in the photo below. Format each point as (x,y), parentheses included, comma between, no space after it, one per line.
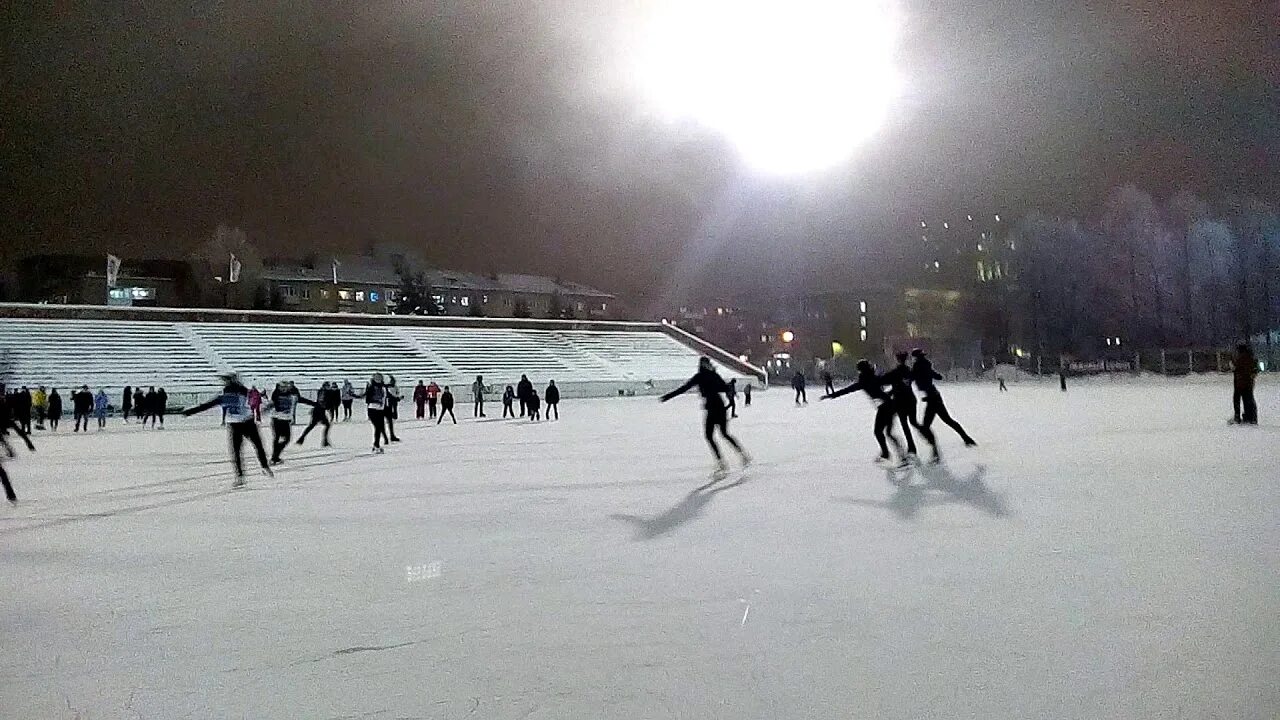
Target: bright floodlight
(796,85)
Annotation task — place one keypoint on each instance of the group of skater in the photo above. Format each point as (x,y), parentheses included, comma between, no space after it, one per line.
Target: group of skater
(46,407)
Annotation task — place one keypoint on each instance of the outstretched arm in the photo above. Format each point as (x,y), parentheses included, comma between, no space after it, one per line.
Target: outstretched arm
(682,389)
(839,393)
(203,406)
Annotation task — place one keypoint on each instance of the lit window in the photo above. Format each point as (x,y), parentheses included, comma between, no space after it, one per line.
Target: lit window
(324,293)
(306,293)
(373,296)
(604,307)
(862,306)
(286,290)
(862,334)
(923,224)
(453,299)
(344,294)
(936,264)
(764,338)
(946,226)
(970,218)
(484,299)
(863,319)
(582,307)
(997,218)
(359,296)
(719,311)
(439,299)
(466,301)
(979,247)
(925,238)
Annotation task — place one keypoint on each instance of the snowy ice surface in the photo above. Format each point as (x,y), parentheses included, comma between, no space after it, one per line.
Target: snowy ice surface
(1109,552)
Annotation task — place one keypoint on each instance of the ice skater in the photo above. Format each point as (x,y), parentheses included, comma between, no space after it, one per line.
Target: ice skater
(923,374)
(732,394)
(797,384)
(433,398)
(126,402)
(348,397)
(375,402)
(508,403)
(140,405)
(904,403)
(477,393)
(552,398)
(234,400)
(712,387)
(6,424)
(828,382)
(284,405)
(524,389)
(533,405)
(420,399)
(55,409)
(873,385)
(1244,373)
(1003,387)
(392,410)
(746,395)
(100,406)
(446,406)
(82,407)
(319,416)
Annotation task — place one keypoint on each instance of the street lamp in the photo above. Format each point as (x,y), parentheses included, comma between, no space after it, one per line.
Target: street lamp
(788,336)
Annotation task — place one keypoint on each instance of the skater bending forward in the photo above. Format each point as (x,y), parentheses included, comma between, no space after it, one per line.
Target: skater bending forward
(712,387)
(886,410)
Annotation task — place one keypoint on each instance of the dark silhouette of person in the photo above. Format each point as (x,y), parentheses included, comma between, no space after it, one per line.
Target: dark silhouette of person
(446,406)
(149,406)
(552,398)
(923,374)
(1003,388)
(746,395)
(711,386)
(873,385)
(162,405)
(1244,373)
(333,400)
(828,382)
(797,384)
(534,405)
(126,403)
(140,405)
(55,409)
(375,403)
(433,398)
(319,416)
(284,407)
(524,389)
(234,400)
(22,410)
(508,403)
(904,403)
(477,394)
(82,407)
(731,392)
(420,399)
(392,410)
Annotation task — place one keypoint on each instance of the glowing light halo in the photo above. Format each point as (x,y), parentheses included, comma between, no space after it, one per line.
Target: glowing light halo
(796,85)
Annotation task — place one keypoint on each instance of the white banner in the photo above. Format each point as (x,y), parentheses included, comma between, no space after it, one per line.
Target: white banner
(113,270)
(335,271)
(234,273)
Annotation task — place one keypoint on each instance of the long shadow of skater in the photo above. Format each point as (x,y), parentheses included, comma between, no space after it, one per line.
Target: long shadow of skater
(909,497)
(683,512)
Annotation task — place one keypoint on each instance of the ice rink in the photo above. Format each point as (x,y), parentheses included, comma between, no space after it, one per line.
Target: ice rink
(1109,552)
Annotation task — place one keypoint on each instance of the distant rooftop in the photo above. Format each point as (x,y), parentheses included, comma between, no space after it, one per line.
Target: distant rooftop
(373,271)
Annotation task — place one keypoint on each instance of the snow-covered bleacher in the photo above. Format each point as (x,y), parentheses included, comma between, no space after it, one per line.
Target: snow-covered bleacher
(185,355)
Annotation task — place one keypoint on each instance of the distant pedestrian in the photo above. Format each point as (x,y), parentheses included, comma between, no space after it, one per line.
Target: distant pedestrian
(1062,379)
(731,393)
(446,406)
(524,389)
(100,404)
(162,405)
(477,393)
(433,397)
(126,402)
(140,404)
(348,396)
(1003,387)
(1244,374)
(40,402)
(533,405)
(22,409)
(375,402)
(55,409)
(319,416)
(393,408)
(828,382)
(420,399)
(746,395)
(82,407)
(552,396)
(150,402)
(508,402)
(797,384)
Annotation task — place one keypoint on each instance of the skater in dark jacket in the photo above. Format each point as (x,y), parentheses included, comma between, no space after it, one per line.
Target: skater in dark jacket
(420,399)
(55,409)
(533,405)
(477,394)
(375,402)
(319,416)
(904,403)
(446,406)
(746,395)
(82,407)
(393,408)
(284,402)
(348,396)
(162,405)
(6,424)
(234,401)
(524,389)
(126,402)
(149,402)
(22,409)
(873,385)
(923,374)
(101,403)
(1244,373)
(508,403)
(731,393)
(828,382)
(711,386)
(140,405)
(797,384)
(552,396)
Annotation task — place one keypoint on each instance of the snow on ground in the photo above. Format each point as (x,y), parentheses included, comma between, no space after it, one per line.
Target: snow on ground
(1110,552)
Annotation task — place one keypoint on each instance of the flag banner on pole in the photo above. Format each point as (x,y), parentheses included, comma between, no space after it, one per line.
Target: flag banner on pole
(335,271)
(234,273)
(113,270)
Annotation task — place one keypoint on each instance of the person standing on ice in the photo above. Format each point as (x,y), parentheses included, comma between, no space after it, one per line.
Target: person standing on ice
(375,403)
(552,396)
(348,397)
(477,392)
(393,408)
(534,405)
(904,403)
(234,401)
(319,416)
(55,409)
(162,405)
(255,403)
(100,405)
(126,402)
(712,387)
(420,399)
(1244,373)
(82,406)
(731,392)
(524,389)
(284,404)
(923,374)
(873,385)
(40,401)
(797,384)
(433,395)
(446,406)
(828,382)
(508,403)
(140,404)
(22,409)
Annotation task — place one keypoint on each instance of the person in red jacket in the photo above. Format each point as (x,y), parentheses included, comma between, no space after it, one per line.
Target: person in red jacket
(433,395)
(420,399)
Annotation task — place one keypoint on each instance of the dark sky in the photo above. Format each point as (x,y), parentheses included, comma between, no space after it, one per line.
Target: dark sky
(503,134)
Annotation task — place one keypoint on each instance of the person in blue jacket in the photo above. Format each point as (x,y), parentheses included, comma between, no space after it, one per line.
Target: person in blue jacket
(100,403)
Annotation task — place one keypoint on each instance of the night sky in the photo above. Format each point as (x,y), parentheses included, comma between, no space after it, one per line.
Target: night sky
(508,135)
